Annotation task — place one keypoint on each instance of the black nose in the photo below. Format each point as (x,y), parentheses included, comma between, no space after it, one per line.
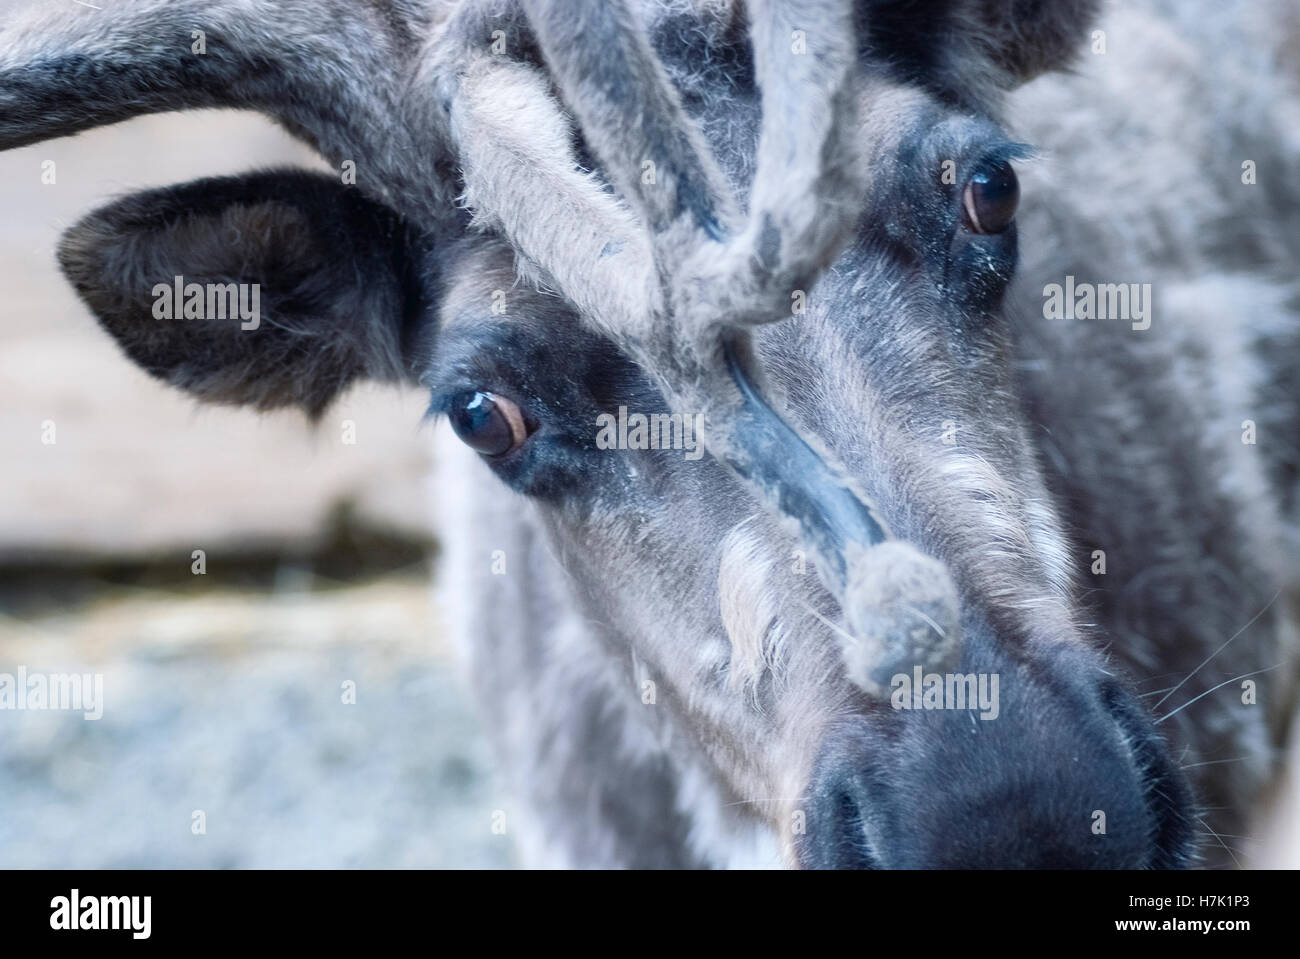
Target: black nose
(1069,774)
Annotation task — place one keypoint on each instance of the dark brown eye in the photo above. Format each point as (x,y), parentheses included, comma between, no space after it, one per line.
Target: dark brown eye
(492,425)
(991,197)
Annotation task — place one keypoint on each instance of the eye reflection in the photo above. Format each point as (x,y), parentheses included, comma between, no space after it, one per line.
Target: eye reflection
(991,197)
(490,424)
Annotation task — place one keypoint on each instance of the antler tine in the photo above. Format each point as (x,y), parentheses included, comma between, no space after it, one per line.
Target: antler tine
(631,114)
(522,178)
(81,67)
(330,71)
(808,187)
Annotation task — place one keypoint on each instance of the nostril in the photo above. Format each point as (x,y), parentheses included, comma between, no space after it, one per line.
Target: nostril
(1164,788)
(853,829)
(836,834)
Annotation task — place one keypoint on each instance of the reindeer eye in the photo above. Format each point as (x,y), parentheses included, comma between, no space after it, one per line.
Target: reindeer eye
(991,197)
(492,425)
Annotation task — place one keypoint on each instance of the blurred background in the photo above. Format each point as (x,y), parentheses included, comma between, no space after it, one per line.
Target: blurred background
(224,691)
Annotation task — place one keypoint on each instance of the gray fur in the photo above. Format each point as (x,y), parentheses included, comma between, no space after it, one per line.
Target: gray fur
(684,662)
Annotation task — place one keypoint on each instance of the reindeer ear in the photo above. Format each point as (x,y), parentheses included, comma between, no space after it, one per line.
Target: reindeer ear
(973,47)
(272,289)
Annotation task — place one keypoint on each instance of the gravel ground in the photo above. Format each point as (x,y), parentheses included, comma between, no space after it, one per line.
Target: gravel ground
(231,703)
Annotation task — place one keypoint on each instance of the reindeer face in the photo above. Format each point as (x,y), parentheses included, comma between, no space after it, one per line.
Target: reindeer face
(857,607)
(1000,749)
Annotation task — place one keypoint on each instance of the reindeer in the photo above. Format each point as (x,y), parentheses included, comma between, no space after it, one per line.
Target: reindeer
(802,221)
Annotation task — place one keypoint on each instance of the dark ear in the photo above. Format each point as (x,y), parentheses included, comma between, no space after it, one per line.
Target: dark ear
(291,285)
(969,49)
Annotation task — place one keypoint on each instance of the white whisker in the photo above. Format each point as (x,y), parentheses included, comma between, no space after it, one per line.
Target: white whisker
(1214,762)
(1221,648)
(1221,842)
(1210,690)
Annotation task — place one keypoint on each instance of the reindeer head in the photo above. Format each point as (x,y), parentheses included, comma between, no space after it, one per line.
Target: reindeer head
(547,227)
